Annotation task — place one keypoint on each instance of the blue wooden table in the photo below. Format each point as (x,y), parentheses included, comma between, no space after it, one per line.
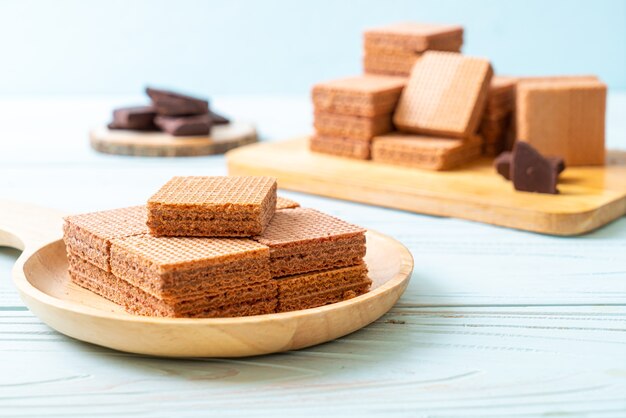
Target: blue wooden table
(495,322)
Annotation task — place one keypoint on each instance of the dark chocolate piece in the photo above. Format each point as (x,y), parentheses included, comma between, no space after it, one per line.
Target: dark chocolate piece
(218,119)
(502,163)
(532,172)
(139,118)
(185,125)
(169,103)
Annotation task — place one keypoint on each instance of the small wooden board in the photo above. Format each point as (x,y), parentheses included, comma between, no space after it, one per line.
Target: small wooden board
(159,144)
(590,196)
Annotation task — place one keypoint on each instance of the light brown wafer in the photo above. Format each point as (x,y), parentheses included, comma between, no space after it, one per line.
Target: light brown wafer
(321,288)
(445,95)
(387,65)
(249,300)
(303,240)
(89,235)
(413,36)
(212,206)
(354,127)
(564,118)
(366,95)
(431,153)
(182,267)
(343,147)
(284,203)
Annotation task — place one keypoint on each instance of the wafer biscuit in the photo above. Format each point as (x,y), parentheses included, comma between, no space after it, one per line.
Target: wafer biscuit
(388,65)
(260,298)
(284,203)
(183,267)
(212,206)
(343,147)
(366,95)
(430,153)
(354,127)
(303,240)
(413,36)
(445,95)
(89,235)
(322,288)
(565,118)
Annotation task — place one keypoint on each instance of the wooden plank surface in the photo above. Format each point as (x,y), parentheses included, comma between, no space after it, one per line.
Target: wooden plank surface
(495,322)
(589,196)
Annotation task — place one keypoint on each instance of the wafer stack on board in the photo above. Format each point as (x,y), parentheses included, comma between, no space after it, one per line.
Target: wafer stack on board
(394,49)
(349,112)
(216,247)
(498,114)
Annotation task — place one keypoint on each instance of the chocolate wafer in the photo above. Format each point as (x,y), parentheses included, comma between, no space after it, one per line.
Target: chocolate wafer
(341,146)
(425,152)
(140,118)
(445,95)
(169,103)
(89,235)
(284,203)
(212,206)
(184,267)
(304,240)
(366,95)
(320,288)
(414,36)
(354,127)
(197,125)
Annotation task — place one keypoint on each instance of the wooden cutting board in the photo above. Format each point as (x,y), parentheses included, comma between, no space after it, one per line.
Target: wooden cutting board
(590,196)
(159,144)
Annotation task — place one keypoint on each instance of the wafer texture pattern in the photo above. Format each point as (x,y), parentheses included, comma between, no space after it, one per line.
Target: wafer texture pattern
(445,95)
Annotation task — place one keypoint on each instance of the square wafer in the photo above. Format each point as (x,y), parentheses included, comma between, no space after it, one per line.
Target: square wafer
(445,95)
(564,118)
(321,288)
(354,127)
(178,268)
(366,95)
(303,240)
(212,206)
(341,146)
(431,153)
(90,234)
(414,36)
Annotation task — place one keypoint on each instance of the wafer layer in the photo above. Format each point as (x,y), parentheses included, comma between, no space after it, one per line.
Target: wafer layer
(182,267)
(322,288)
(424,152)
(212,206)
(367,95)
(284,203)
(353,127)
(254,299)
(343,147)
(445,95)
(89,235)
(414,36)
(303,240)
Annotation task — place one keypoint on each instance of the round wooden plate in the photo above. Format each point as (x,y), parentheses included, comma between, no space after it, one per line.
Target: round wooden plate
(159,144)
(40,275)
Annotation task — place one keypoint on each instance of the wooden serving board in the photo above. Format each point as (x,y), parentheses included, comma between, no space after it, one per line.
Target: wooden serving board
(159,144)
(590,196)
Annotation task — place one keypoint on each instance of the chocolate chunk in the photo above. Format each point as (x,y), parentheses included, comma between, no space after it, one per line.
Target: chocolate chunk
(532,172)
(502,163)
(168,103)
(140,118)
(184,125)
(558,163)
(218,119)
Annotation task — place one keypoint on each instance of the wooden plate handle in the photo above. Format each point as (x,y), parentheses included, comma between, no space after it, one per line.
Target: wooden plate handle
(25,226)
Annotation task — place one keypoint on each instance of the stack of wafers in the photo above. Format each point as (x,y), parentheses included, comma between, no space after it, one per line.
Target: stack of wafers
(349,112)
(216,247)
(498,114)
(394,49)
